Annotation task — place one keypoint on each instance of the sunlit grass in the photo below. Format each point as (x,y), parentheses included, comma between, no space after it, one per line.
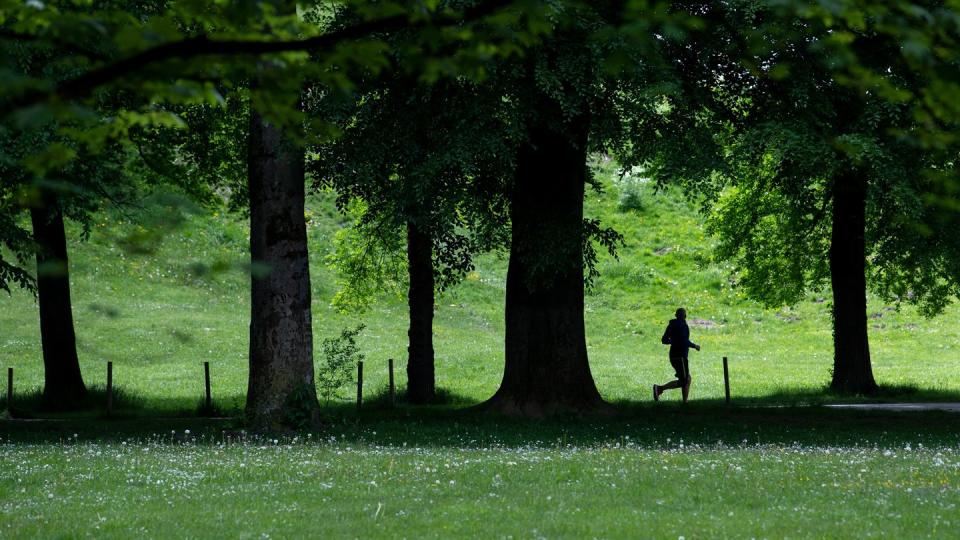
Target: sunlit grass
(677,472)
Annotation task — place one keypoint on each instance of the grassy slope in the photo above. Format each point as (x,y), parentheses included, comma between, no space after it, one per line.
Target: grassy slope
(157,319)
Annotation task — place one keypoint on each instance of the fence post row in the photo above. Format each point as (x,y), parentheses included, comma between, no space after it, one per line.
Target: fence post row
(206,374)
(209,400)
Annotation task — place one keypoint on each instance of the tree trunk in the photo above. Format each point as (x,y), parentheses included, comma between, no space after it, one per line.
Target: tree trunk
(62,382)
(281,386)
(421,383)
(546,368)
(852,373)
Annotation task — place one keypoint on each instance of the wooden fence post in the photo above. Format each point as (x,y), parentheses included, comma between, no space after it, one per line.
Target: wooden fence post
(206,377)
(359,384)
(109,388)
(726,380)
(393,388)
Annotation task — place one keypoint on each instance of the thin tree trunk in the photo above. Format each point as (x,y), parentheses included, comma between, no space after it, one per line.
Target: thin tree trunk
(852,373)
(62,380)
(546,368)
(421,382)
(281,380)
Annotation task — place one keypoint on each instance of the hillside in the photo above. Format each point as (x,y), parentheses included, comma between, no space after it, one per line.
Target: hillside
(180,297)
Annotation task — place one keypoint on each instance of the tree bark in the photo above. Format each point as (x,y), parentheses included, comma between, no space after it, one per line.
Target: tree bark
(62,381)
(546,367)
(852,373)
(421,382)
(281,381)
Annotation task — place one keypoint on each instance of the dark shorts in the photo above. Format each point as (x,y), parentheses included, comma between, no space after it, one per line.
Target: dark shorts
(681,366)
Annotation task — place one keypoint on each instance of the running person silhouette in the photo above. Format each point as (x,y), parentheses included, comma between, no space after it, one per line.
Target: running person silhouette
(677,336)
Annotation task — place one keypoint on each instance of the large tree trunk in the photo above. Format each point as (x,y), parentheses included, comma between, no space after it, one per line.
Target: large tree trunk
(281,380)
(62,381)
(421,383)
(852,373)
(546,367)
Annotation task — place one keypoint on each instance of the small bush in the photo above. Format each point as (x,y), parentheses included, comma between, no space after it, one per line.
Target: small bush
(631,198)
(340,356)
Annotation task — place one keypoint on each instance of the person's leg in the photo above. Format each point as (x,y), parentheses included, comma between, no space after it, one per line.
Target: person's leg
(678,370)
(676,383)
(660,388)
(686,379)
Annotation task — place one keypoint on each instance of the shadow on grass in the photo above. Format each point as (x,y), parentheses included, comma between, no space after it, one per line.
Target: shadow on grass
(798,397)
(126,404)
(32,405)
(768,420)
(650,427)
(380,399)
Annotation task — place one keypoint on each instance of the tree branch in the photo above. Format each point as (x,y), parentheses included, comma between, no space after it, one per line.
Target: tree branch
(83,85)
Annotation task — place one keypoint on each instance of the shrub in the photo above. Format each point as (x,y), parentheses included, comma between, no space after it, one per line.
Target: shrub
(340,355)
(631,198)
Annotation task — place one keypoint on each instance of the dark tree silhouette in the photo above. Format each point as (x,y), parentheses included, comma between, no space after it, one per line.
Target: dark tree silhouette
(421,381)
(281,336)
(62,380)
(852,372)
(546,368)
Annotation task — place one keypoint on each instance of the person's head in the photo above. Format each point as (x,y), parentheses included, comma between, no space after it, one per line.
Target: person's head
(681,314)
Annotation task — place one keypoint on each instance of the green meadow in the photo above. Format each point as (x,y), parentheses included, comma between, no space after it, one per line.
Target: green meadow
(674,472)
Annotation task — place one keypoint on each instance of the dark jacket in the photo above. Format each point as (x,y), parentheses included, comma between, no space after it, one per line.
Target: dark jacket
(677,335)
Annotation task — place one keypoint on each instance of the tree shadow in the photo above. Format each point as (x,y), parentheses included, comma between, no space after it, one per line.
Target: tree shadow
(127,404)
(33,405)
(782,419)
(799,397)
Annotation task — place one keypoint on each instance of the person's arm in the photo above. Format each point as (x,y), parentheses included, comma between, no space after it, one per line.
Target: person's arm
(666,336)
(693,345)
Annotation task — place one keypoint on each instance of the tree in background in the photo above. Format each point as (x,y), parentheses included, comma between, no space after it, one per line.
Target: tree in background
(51,177)
(284,222)
(820,182)
(597,84)
(428,150)
(50,193)
(431,161)
(281,335)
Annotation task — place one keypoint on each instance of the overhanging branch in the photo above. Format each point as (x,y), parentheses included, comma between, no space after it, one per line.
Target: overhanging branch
(83,85)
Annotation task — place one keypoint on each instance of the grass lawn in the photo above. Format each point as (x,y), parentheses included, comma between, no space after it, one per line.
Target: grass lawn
(670,472)
(762,468)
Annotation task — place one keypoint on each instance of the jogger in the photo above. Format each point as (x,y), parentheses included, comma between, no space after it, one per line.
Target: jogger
(677,335)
